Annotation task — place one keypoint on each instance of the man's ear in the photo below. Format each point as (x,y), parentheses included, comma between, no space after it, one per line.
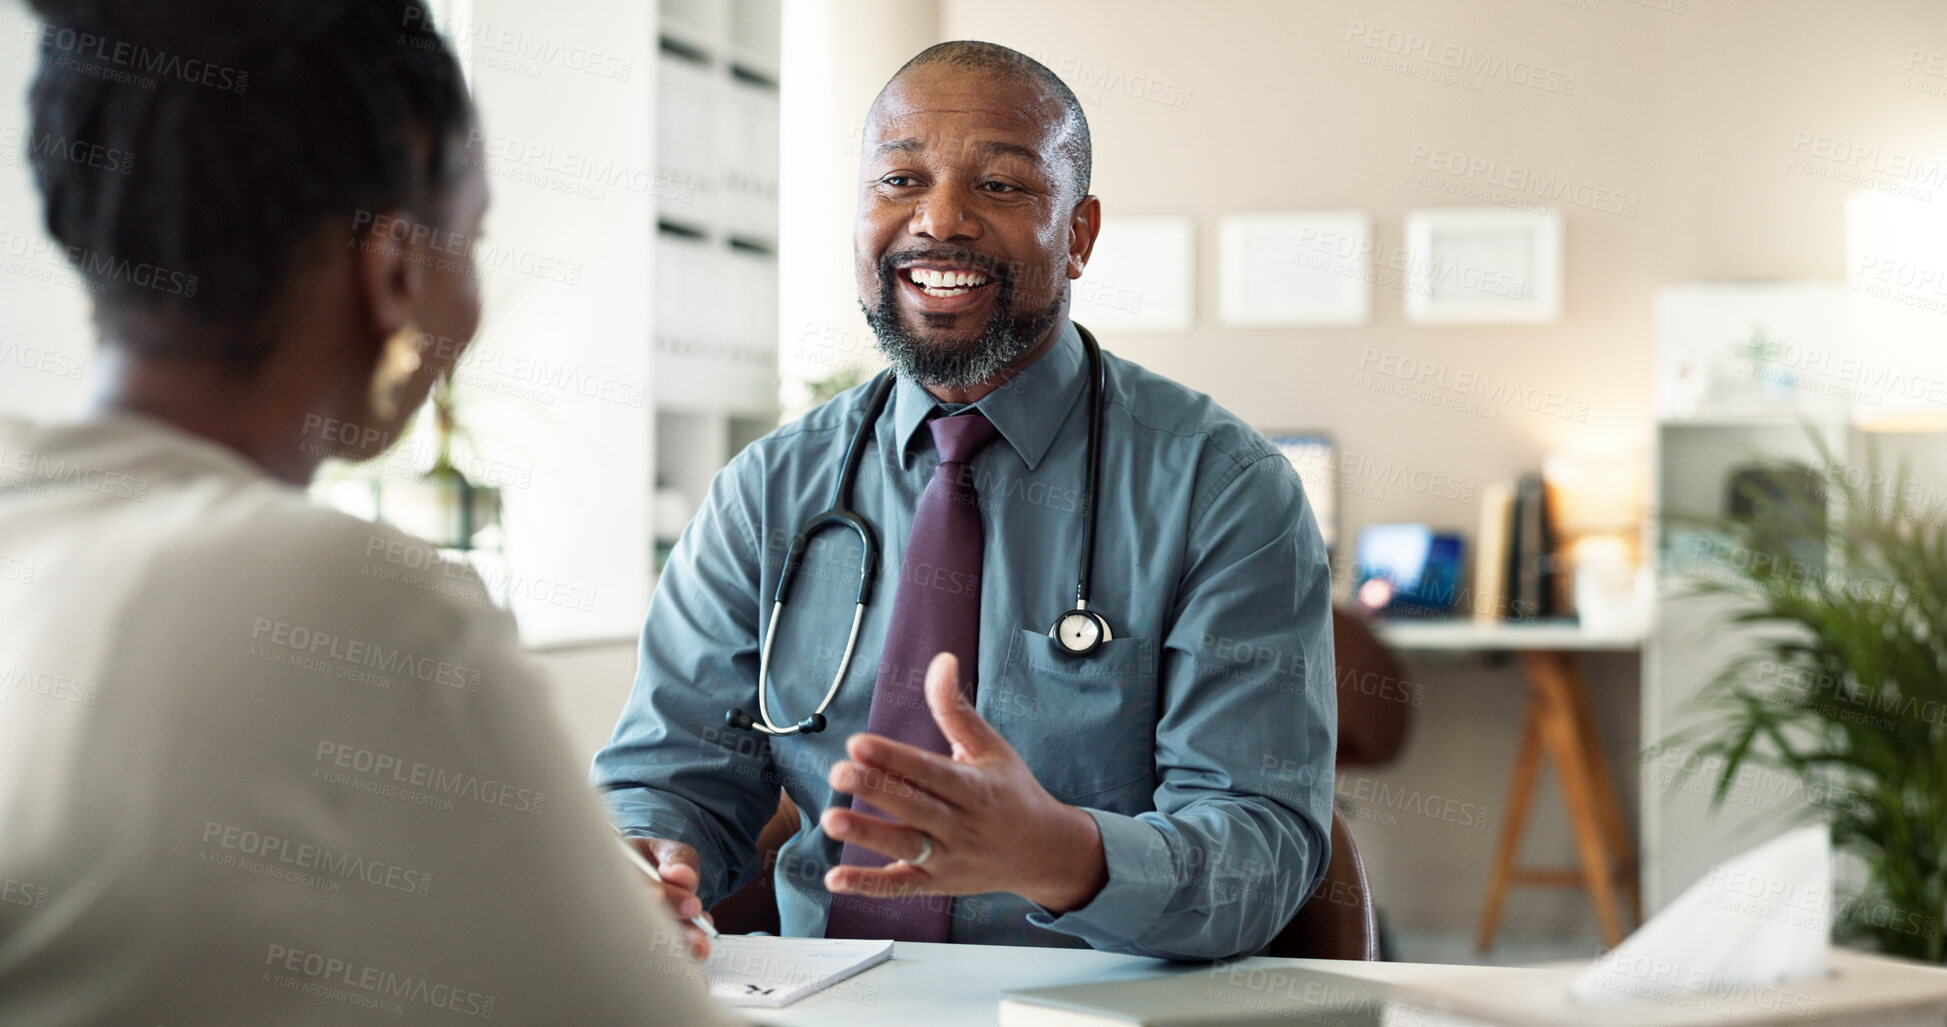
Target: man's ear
(1083,226)
(389,260)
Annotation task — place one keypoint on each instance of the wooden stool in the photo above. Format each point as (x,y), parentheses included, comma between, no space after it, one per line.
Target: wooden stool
(1558,721)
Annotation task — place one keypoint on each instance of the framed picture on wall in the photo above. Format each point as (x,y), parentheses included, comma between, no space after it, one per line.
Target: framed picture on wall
(1296,269)
(1487,265)
(1141,276)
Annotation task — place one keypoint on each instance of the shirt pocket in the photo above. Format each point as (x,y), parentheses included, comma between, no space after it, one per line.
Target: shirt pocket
(1085,725)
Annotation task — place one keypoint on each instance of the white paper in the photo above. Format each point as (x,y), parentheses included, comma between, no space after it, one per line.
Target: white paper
(759,970)
(1761,918)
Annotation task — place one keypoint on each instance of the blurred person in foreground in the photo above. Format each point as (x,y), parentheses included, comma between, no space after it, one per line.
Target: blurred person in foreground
(262,762)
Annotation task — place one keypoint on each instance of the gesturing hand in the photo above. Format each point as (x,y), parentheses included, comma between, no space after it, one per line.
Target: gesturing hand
(994,828)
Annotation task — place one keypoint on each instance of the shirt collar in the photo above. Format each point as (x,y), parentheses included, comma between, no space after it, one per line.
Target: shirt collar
(1028,409)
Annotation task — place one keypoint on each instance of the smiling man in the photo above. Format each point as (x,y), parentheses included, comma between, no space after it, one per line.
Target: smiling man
(1153,777)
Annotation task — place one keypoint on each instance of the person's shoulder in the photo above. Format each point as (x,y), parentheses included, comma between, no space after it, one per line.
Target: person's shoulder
(1170,410)
(271,546)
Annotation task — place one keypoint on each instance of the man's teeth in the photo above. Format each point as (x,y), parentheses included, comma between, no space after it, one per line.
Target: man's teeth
(946,283)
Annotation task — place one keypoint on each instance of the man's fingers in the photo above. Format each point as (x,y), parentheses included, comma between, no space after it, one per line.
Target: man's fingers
(896,795)
(966,730)
(893,881)
(893,764)
(882,836)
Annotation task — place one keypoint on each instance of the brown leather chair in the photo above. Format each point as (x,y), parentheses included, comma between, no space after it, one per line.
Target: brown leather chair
(1375,709)
(754,906)
(1339,921)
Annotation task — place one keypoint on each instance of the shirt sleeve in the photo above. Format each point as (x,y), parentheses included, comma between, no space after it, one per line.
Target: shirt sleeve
(1241,831)
(673,769)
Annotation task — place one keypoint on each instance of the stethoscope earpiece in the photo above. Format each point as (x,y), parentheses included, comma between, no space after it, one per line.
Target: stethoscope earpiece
(738,719)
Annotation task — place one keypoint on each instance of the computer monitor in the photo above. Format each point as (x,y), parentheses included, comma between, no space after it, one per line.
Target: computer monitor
(1407,570)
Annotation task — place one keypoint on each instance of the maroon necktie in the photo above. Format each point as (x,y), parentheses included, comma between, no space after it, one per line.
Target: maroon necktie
(937,610)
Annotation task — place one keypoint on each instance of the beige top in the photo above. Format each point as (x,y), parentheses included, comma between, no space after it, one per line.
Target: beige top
(266,763)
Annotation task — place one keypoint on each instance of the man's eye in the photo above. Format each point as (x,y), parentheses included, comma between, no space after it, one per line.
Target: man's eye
(1000,187)
(897,180)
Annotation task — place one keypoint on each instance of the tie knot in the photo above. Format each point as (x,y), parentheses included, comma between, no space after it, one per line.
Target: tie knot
(960,437)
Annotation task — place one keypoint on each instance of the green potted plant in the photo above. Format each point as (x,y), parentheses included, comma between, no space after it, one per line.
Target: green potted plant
(442,505)
(1845,685)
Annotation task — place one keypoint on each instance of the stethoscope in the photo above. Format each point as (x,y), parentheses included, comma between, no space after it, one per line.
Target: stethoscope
(1077,632)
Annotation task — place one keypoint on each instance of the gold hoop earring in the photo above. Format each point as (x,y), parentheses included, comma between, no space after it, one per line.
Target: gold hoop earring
(398,362)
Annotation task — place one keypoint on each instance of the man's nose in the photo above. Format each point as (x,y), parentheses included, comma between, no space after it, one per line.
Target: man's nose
(942,214)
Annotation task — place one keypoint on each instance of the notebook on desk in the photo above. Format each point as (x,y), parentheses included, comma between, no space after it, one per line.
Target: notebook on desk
(1222,996)
(760,970)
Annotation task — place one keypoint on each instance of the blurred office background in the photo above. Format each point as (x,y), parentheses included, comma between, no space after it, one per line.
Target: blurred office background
(669,273)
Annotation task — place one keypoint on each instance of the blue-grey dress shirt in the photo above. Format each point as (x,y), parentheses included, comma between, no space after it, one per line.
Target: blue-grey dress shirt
(1200,739)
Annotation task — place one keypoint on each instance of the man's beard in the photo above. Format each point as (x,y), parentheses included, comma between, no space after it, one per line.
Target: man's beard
(1006,336)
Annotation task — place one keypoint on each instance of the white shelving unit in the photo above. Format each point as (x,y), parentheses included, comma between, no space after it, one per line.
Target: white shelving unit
(1717,412)
(714,360)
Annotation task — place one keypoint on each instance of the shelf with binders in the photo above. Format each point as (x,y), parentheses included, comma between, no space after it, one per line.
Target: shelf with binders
(714,350)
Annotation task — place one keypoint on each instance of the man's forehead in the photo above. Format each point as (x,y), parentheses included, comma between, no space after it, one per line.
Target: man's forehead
(925,103)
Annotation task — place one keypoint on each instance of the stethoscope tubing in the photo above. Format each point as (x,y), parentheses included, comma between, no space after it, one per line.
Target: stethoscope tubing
(840,512)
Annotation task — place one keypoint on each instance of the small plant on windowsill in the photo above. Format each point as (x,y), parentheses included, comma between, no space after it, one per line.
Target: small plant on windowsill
(1850,698)
(442,505)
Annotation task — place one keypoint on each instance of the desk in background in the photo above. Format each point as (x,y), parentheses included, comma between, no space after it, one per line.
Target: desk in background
(1559,723)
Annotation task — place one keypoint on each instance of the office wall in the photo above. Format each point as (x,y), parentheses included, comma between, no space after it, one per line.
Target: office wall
(1694,141)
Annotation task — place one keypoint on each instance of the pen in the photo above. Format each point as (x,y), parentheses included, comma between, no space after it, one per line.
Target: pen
(642,863)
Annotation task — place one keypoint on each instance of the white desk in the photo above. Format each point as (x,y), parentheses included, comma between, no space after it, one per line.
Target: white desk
(1559,723)
(1462,634)
(955,985)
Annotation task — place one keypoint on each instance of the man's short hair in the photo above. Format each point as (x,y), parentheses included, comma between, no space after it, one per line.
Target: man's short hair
(997,59)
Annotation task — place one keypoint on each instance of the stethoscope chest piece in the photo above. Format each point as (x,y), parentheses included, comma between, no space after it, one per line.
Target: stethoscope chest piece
(1081,632)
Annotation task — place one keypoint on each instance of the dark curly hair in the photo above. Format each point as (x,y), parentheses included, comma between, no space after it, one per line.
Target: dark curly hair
(246,126)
